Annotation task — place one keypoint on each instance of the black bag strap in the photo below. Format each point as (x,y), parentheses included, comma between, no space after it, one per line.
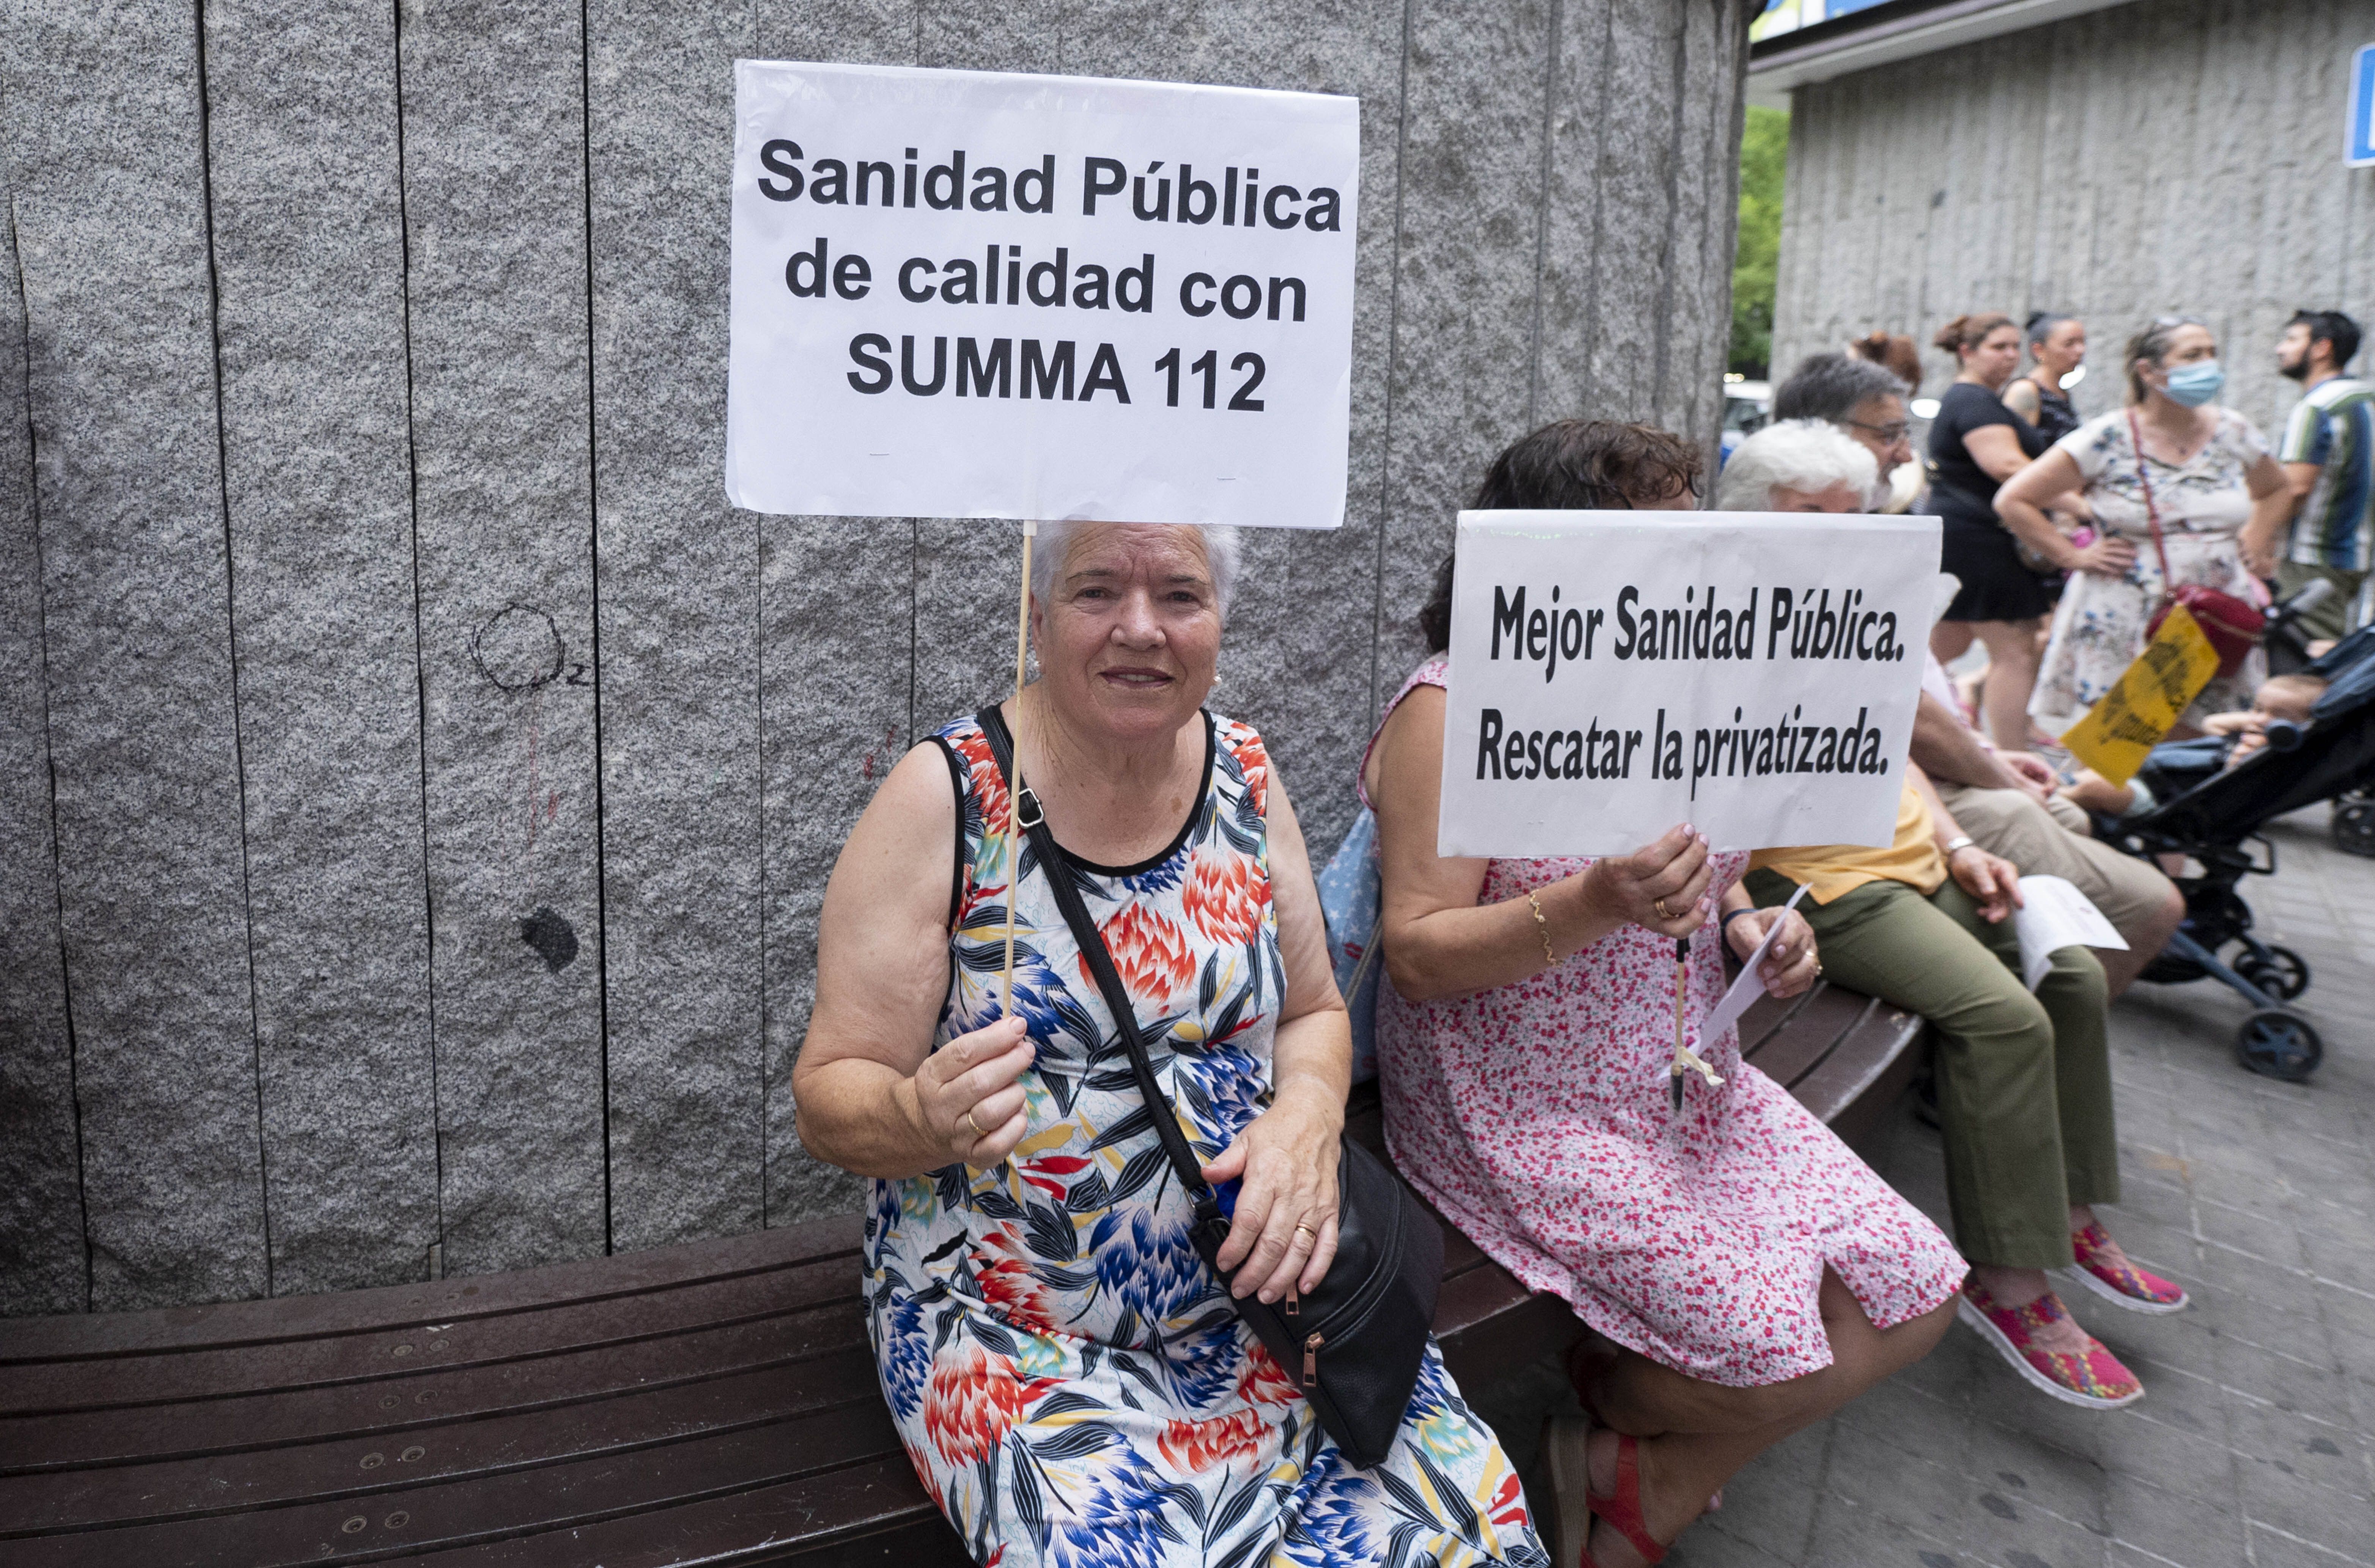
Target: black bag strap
(1093,952)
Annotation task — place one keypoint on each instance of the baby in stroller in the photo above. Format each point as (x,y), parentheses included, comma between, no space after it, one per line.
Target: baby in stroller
(2226,740)
(2308,738)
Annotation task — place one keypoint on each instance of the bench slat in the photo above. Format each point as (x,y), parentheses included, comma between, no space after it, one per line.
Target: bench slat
(870,1515)
(165,1376)
(545,1499)
(1829,1016)
(390,1409)
(1857,1083)
(365,1466)
(78,1336)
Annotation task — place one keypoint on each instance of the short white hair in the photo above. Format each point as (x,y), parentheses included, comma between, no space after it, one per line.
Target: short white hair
(1055,543)
(1807,455)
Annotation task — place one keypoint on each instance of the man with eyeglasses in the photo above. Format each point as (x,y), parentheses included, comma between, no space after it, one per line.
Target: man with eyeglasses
(1862,399)
(2006,800)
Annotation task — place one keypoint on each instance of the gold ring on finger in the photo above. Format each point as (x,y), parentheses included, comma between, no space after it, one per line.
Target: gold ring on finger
(1660,905)
(974,1124)
(1306,1231)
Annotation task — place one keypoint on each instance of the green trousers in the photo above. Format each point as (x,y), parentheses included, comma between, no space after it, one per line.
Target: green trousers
(2024,1080)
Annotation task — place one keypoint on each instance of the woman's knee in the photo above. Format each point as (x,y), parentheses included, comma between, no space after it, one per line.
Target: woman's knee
(2075,980)
(1769,1403)
(2007,1021)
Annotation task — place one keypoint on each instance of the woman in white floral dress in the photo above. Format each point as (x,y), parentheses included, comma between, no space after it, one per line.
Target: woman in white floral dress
(2209,472)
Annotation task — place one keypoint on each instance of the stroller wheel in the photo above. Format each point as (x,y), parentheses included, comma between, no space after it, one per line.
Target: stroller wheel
(2279,1044)
(2285,974)
(2354,826)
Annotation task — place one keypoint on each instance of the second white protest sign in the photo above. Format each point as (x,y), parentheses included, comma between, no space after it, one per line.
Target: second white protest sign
(1617,673)
(970,294)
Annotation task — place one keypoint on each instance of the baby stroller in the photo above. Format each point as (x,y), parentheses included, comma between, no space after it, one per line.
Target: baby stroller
(2211,812)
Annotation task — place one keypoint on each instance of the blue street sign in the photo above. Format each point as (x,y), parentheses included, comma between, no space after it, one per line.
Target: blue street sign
(2361,141)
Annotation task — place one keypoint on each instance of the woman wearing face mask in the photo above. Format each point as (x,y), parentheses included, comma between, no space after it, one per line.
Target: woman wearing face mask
(1975,444)
(2203,470)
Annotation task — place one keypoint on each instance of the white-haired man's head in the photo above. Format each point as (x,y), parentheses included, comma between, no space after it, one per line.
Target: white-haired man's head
(1054,543)
(1799,466)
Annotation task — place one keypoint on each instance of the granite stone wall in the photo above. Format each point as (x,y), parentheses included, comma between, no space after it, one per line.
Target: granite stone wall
(2163,156)
(417,783)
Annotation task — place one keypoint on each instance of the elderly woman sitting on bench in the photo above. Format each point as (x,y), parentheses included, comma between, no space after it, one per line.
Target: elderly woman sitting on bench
(1746,1273)
(2024,1080)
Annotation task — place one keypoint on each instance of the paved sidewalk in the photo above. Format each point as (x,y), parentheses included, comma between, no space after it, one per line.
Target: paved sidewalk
(2256,1441)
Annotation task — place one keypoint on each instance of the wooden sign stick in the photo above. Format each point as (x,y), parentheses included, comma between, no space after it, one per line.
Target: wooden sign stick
(1015,802)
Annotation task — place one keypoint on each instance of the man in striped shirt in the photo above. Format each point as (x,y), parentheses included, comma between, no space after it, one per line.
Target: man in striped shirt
(2328,453)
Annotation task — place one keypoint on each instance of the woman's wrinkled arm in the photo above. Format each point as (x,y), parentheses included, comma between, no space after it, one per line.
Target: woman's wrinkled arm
(870,1095)
(1286,1157)
(1439,942)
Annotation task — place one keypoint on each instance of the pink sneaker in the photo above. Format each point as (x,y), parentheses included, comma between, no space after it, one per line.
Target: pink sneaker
(2115,1281)
(2095,1380)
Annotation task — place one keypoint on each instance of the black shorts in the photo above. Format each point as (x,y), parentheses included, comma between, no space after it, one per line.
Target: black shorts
(1996,586)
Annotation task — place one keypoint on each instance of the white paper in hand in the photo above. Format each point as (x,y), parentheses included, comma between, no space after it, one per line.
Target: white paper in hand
(2054,915)
(1750,983)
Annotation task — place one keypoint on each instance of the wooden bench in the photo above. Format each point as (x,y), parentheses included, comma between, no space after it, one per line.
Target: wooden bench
(713,1403)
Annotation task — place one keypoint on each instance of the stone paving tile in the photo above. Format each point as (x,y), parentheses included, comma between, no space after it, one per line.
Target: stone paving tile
(2255,1447)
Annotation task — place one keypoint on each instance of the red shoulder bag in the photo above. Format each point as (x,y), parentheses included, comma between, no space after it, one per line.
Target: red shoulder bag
(2232,625)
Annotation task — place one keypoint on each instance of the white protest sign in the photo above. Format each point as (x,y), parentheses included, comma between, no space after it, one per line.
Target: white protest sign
(970,294)
(1617,673)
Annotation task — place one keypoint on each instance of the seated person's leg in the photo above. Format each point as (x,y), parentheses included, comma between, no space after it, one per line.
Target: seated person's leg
(1994,1060)
(2143,905)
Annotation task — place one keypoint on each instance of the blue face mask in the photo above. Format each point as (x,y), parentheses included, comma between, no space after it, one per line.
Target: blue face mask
(2197,383)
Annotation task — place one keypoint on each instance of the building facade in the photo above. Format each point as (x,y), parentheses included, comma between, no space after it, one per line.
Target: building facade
(2111,161)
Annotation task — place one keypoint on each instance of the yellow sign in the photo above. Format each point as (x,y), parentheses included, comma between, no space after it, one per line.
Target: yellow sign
(2144,705)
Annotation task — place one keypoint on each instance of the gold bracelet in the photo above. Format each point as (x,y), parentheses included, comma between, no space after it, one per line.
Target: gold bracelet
(1541,926)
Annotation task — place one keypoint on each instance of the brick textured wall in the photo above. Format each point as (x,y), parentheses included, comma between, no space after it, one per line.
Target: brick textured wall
(415,783)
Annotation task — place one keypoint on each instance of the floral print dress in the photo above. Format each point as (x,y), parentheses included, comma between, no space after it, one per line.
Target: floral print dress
(2098,629)
(1066,1373)
(1536,1117)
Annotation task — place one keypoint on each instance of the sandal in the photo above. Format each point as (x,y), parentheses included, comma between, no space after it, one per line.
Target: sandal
(1583,1365)
(1566,1457)
(1622,1509)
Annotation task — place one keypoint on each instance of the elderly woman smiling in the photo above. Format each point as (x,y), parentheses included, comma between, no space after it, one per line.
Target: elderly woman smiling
(1067,1373)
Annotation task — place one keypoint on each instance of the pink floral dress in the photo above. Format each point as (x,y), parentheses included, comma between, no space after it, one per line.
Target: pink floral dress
(1535,1116)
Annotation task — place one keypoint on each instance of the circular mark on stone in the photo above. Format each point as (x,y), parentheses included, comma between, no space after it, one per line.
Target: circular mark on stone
(373,1461)
(421,1398)
(554,940)
(410,1454)
(388,1403)
(401,1351)
(354,1526)
(398,1519)
(520,649)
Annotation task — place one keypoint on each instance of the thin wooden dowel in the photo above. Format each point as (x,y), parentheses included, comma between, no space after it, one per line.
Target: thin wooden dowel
(1014,800)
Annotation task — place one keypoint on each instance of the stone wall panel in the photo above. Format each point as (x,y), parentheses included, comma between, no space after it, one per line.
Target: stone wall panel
(319,488)
(136,622)
(42,1264)
(496,201)
(679,605)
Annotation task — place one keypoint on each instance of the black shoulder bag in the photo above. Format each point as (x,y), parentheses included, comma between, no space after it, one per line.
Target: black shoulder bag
(1354,1345)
